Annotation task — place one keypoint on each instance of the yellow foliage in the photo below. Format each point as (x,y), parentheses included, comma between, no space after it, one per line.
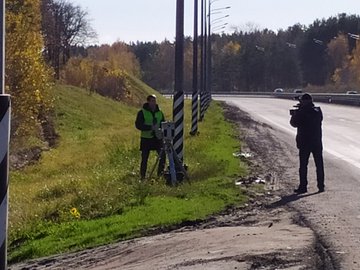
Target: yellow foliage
(105,71)
(116,56)
(355,65)
(347,67)
(337,50)
(27,77)
(232,48)
(96,76)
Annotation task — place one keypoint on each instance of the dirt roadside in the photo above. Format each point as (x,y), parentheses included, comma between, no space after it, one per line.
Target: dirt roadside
(265,234)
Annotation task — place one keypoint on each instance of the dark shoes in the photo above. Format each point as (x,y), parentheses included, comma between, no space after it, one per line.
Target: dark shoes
(300,190)
(304,190)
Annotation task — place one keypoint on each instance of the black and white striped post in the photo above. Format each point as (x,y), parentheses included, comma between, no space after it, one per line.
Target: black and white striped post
(178,105)
(203,60)
(208,60)
(207,100)
(195,93)
(4,145)
(4,173)
(202,105)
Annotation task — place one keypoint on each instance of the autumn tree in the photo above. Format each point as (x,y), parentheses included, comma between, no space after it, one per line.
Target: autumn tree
(349,73)
(338,53)
(106,70)
(27,76)
(64,26)
(117,56)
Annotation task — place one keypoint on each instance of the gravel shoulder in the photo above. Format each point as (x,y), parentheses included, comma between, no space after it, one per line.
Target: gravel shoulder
(270,232)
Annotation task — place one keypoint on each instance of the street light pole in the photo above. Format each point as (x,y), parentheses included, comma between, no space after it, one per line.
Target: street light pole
(5,109)
(178,105)
(202,59)
(209,51)
(208,97)
(195,94)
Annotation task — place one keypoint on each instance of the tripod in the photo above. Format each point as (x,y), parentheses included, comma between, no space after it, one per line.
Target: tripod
(176,169)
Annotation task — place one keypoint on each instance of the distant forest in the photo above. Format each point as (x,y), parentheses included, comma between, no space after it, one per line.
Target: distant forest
(323,53)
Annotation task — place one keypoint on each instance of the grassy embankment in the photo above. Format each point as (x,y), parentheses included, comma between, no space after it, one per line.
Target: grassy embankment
(86,191)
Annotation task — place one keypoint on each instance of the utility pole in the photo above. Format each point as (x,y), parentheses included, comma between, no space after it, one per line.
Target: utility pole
(203,59)
(178,105)
(195,93)
(208,69)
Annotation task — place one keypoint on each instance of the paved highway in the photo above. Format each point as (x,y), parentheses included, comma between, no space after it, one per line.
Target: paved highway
(334,215)
(341,125)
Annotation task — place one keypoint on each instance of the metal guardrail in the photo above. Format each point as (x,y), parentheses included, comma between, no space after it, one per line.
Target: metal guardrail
(345,99)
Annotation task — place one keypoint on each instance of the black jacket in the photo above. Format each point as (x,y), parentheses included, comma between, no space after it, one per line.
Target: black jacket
(308,119)
(146,143)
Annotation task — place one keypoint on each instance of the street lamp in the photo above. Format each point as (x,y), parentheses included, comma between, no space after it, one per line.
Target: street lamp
(318,41)
(354,36)
(216,9)
(219,27)
(291,45)
(205,44)
(261,49)
(209,55)
(217,19)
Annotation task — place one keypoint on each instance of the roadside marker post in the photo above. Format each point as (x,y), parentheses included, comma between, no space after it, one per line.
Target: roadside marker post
(5,115)
(4,175)
(178,105)
(195,93)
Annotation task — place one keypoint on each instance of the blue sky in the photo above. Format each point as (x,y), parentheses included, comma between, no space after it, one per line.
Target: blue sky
(149,20)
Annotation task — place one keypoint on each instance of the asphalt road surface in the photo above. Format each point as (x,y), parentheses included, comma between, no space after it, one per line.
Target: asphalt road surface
(335,214)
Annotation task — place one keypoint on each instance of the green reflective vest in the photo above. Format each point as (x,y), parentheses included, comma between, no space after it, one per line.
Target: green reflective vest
(149,120)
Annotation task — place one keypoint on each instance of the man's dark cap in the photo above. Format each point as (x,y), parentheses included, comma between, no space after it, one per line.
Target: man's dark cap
(305,96)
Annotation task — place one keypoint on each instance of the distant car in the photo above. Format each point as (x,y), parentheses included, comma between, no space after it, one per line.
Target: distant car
(297,91)
(278,90)
(352,92)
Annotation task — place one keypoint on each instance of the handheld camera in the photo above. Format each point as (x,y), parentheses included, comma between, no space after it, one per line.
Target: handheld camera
(293,111)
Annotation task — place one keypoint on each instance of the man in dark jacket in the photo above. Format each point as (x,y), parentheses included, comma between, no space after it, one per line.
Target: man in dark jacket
(307,119)
(148,121)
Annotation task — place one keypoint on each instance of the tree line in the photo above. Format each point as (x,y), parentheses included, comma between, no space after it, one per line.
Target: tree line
(47,42)
(321,54)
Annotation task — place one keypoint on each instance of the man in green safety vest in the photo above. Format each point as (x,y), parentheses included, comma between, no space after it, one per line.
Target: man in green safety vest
(148,121)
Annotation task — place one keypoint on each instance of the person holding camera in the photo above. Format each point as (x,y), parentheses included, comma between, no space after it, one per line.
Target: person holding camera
(308,120)
(148,121)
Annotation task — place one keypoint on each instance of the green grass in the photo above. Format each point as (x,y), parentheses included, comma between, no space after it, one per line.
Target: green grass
(95,170)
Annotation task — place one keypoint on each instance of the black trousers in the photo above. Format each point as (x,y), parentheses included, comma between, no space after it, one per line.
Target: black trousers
(144,160)
(304,154)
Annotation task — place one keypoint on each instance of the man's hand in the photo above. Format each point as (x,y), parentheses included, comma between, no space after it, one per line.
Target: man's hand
(157,131)
(155,127)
